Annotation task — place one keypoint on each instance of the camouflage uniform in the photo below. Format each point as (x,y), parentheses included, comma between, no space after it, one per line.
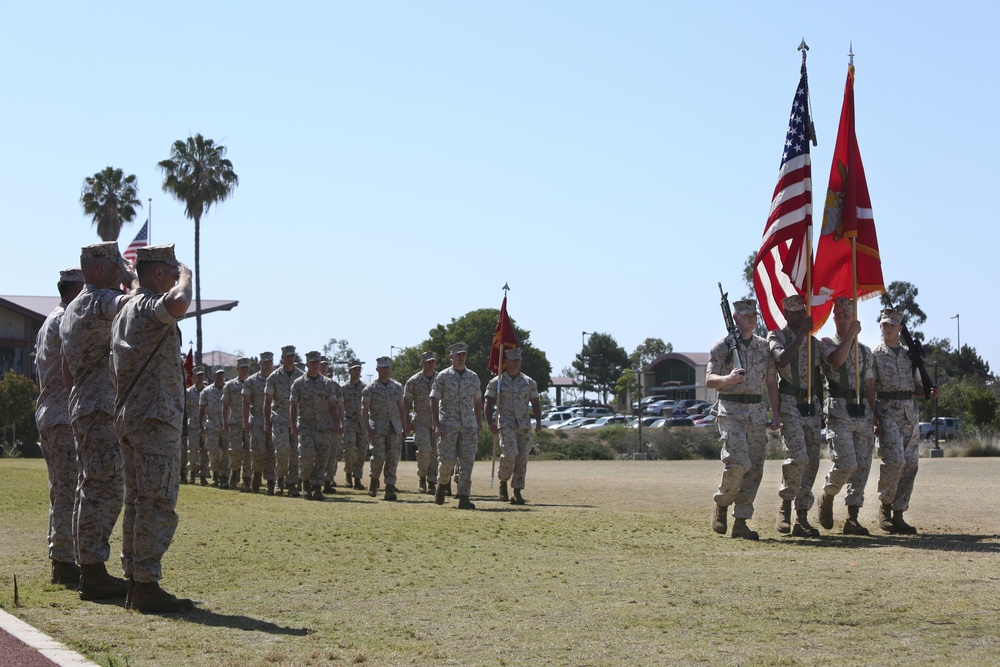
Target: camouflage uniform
(215,437)
(899,423)
(800,434)
(355,433)
(850,438)
(149,425)
(383,416)
(313,397)
(86,343)
(418,390)
(515,395)
(197,452)
(261,448)
(338,438)
(56,435)
(239,440)
(457,393)
(286,452)
(742,423)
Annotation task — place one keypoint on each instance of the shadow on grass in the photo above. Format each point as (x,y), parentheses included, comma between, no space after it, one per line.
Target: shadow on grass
(214,619)
(929,542)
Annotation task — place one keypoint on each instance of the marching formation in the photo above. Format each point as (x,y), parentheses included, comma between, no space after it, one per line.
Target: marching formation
(118,428)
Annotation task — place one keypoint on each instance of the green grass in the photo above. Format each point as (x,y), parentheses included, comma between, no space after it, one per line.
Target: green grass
(610,563)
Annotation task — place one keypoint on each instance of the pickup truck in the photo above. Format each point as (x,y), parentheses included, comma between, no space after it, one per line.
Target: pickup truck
(947,428)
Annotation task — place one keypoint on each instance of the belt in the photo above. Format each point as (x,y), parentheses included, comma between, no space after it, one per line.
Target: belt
(894,395)
(789,390)
(848,394)
(741,398)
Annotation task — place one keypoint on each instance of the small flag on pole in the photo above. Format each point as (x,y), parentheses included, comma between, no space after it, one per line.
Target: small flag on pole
(141,240)
(189,369)
(504,339)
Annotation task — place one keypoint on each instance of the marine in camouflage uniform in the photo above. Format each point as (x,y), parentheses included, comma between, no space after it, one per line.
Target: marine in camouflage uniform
(383,410)
(261,448)
(314,414)
(239,438)
(355,430)
(329,482)
(149,416)
(801,415)
(213,428)
(86,343)
(849,425)
(742,417)
(416,396)
(457,411)
(56,434)
(897,424)
(512,392)
(197,452)
(286,448)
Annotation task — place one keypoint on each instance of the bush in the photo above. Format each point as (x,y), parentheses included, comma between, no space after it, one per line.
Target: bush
(980,442)
(17,416)
(680,443)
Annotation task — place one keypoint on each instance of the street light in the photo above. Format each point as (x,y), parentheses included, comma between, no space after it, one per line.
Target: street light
(583,366)
(958,347)
(391,348)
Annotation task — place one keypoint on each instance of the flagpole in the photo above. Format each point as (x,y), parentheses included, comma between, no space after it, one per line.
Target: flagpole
(500,368)
(149,223)
(857,348)
(804,48)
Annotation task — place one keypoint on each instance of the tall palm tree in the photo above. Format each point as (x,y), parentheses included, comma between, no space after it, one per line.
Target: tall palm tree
(198,175)
(110,199)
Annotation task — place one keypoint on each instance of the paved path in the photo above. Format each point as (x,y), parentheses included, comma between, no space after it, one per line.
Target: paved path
(23,646)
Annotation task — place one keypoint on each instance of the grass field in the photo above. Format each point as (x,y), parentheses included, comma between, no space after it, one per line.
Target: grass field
(610,563)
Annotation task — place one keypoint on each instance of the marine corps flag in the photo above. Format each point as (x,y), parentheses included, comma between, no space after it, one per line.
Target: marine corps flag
(847,258)
(504,339)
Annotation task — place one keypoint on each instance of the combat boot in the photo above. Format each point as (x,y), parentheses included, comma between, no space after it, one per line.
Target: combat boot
(503,491)
(465,504)
(350,480)
(900,527)
(67,574)
(234,479)
(328,488)
(447,489)
(373,487)
(742,531)
(293,490)
(255,484)
(784,524)
(270,487)
(423,485)
(885,519)
(802,527)
(439,494)
(851,526)
(184,478)
(432,488)
(826,511)
(246,485)
(97,584)
(358,484)
(517,499)
(316,494)
(149,598)
(204,481)
(307,488)
(279,487)
(390,492)
(719,519)
(215,479)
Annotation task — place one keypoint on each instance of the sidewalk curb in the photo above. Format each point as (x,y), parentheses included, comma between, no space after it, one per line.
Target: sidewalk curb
(58,653)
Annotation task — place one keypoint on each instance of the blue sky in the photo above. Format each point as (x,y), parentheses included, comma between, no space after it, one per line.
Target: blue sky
(400,162)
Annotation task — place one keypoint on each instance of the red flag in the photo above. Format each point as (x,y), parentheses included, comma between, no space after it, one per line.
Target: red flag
(141,240)
(780,265)
(189,369)
(847,215)
(504,339)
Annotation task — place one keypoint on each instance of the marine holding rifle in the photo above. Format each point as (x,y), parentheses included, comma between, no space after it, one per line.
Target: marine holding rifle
(740,367)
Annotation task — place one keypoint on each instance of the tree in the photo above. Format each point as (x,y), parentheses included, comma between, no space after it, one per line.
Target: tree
(601,363)
(339,353)
(110,199)
(475,329)
(903,296)
(647,351)
(748,269)
(17,413)
(198,174)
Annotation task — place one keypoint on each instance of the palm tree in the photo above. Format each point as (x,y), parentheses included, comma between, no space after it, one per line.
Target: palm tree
(110,200)
(198,175)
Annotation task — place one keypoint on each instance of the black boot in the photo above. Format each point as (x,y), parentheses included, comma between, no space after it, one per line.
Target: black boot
(373,488)
(439,494)
(742,531)
(390,492)
(851,526)
(900,527)
(149,598)
(279,488)
(293,490)
(270,487)
(517,499)
(358,484)
(423,485)
(503,491)
(255,484)
(246,485)
(465,504)
(328,488)
(204,481)
(97,584)
(802,527)
(65,573)
(432,488)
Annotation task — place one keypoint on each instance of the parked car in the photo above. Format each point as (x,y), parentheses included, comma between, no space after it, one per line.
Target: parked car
(576,422)
(706,420)
(611,420)
(659,423)
(682,420)
(947,428)
(592,411)
(646,421)
(555,418)
(638,408)
(663,407)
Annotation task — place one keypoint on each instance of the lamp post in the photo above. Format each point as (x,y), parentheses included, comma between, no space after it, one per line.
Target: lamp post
(638,393)
(958,347)
(391,348)
(583,366)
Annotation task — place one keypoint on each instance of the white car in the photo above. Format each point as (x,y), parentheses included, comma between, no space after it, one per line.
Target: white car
(556,418)
(576,422)
(611,420)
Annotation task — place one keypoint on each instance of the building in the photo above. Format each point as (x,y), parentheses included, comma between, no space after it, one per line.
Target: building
(678,375)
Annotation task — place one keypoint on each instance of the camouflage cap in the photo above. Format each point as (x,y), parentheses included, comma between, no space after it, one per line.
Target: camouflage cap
(71,276)
(198,370)
(267,356)
(427,356)
(157,253)
(219,369)
(354,363)
(287,349)
(459,348)
(513,354)
(242,362)
(891,316)
(312,355)
(383,362)
(793,303)
(106,250)
(745,307)
(843,305)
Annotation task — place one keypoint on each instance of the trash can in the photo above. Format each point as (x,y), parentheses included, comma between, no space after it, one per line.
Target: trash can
(409,449)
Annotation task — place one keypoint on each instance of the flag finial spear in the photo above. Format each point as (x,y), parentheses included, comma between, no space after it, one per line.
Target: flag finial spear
(803,47)
(850,53)
(505,289)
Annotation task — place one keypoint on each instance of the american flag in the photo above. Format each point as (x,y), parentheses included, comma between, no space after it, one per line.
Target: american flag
(141,240)
(781,264)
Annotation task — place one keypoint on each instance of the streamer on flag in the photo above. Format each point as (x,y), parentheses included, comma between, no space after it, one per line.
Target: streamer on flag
(141,240)
(780,268)
(847,217)
(504,339)
(189,369)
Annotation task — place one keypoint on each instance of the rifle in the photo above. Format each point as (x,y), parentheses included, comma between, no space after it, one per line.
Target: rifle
(733,332)
(916,354)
